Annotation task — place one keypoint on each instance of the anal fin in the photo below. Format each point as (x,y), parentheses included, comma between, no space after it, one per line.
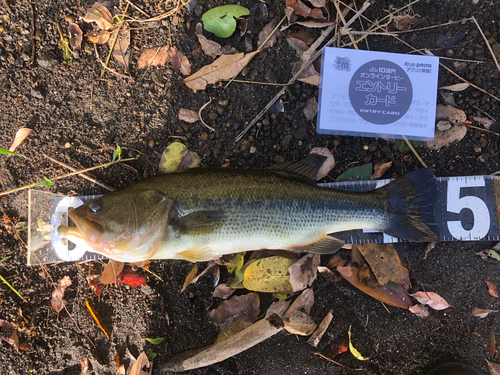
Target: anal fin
(325,245)
(197,255)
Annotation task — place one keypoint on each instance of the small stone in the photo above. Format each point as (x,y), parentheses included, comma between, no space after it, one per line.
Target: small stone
(39,35)
(265,122)
(151,143)
(204,136)
(67,145)
(253,150)
(223,103)
(278,159)
(449,53)
(47,61)
(301,133)
(36,93)
(287,139)
(484,157)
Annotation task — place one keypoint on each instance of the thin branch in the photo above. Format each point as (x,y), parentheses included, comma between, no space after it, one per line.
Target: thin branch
(201,118)
(487,44)
(415,153)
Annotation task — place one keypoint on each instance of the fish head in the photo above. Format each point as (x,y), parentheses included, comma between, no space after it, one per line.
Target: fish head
(126,226)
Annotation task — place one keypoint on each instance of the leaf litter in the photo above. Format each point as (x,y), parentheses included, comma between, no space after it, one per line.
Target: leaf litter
(492,289)
(304,271)
(58,302)
(482,313)
(19,138)
(431,299)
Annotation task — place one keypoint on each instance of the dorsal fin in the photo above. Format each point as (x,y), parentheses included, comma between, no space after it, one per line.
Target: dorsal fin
(307,167)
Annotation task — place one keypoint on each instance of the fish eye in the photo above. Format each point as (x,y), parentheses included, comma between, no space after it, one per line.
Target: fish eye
(94,207)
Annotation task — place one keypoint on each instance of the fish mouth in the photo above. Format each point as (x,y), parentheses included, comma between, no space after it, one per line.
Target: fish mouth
(86,229)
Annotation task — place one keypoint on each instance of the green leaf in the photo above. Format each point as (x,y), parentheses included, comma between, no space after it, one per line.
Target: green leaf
(4,151)
(155,341)
(47,182)
(4,259)
(494,254)
(221,20)
(361,173)
(117,153)
(150,354)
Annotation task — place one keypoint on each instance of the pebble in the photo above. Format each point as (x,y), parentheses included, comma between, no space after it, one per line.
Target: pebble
(301,133)
(253,150)
(47,61)
(36,93)
(278,159)
(248,44)
(67,145)
(287,139)
(265,122)
(204,136)
(449,53)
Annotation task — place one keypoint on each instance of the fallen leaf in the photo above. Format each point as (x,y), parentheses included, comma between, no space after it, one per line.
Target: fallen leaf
(268,275)
(155,341)
(419,310)
(380,168)
(19,138)
(209,47)
(448,41)
(303,272)
(456,87)
(95,285)
(157,56)
(141,362)
(121,53)
(489,253)
(8,333)
(221,20)
(353,350)
(99,37)
(446,138)
(298,45)
(332,275)
(492,289)
(225,67)
(58,302)
(188,115)
(385,264)
(450,113)
(100,15)
(303,10)
(311,23)
(299,323)
(264,34)
(405,22)
(318,3)
(320,331)
(131,277)
(361,173)
(327,165)
(75,36)
(176,157)
(491,342)
(393,295)
(246,305)
(96,318)
(222,291)
(111,271)
(279,308)
(482,313)
(448,98)
(180,62)
(485,121)
(494,368)
(428,248)
(303,302)
(190,277)
(310,76)
(432,299)
(311,108)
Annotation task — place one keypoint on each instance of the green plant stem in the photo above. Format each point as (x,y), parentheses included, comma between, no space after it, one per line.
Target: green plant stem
(114,42)
(66,175)
(13,289)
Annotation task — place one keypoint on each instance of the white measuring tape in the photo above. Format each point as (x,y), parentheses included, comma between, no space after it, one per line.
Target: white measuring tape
(466,209)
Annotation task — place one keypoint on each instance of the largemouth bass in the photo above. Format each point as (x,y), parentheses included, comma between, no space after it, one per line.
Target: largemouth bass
(203,213)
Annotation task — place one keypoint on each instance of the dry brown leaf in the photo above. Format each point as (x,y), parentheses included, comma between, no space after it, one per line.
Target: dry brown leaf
(332,275)
(320,331)
(188,115)
(75,36)
(180,62)
(209,47)
(19,138)
(485,121)
(121,53)
(314,23)
(492,289)
(419,310)
(298,45)
(246,305)
(99,37)
(8,333)
(222,291)
(100,15)
(58,302)
(311,108)
(304,271)
(327,165)
(482,313)
(157,56)
(141,362)
(303,10)
(279,308)
(447,137)
(457,87)
(431,299)
(380,168)
(303,302)
(304,36)
(225,67)
(190,277)
(318,3)
(111,271)
(299,323)
(494,368)
(265,32)
(311,76)
(405,22)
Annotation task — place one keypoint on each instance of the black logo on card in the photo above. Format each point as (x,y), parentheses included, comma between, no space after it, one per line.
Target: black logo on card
(380,92)
(342,63)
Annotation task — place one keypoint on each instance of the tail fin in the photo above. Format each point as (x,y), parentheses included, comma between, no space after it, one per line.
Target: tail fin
(412,200)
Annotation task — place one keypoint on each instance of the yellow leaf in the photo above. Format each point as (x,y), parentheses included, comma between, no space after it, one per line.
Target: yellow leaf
(177,156)
(190,277)
(236,263)
(353,350)
(96,319)
(268,275)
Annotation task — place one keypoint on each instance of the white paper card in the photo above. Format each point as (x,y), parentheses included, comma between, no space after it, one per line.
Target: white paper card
(377,94)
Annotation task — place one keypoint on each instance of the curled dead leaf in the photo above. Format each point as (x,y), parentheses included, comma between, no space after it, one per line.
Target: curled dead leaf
(121,52)
(264,34)
(431,299)
(8,333)
(450,113)
(188,115)
(209,47)
(320,331)
(246,305)
(58,302)
(19,138)
(304,271)
(482,313)
(457,87)
(75,36)
(327,165)
(141,362)
(157,56)
(303,302)
(299,323)
(279,308)
(225,67)
(179,61)
(111,271)
(311,108)
(99,37)
(492,289)
(380,168)
(419,310)
(101,15)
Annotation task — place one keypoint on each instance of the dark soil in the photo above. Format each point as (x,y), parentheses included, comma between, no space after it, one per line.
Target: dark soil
(78,117)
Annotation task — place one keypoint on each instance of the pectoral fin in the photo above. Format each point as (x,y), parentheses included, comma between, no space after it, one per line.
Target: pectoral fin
(198,255)
(325,245)
(198,223)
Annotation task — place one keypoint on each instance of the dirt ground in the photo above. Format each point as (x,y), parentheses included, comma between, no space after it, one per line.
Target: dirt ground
(78,117)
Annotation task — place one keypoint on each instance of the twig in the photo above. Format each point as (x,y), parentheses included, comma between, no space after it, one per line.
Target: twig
(260,83)
(304,67)
(153,59)
(201,118)
(164,15)
(106,68)
(83,175)
(32,32)
(111,49)
(482,129)
(391,14)
(138,8)
(414,151)
(66,175)
(339,12)
(484,113)
(337,363)
(487,44)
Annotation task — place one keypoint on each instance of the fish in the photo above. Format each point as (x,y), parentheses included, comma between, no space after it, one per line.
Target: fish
(203,213)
